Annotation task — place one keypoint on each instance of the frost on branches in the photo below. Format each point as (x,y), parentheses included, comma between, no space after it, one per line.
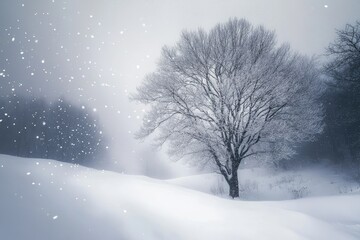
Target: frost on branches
(231,93)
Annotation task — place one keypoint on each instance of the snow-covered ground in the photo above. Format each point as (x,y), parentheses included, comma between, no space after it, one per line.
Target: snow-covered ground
(46,199)
(271,184)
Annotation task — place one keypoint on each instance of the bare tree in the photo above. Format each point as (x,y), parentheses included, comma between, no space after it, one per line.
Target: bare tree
(229,94)
(345,52)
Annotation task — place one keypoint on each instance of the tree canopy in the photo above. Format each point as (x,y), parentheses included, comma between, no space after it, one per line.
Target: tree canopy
(231,93)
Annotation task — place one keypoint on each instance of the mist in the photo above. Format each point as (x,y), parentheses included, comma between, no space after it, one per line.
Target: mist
(95,54)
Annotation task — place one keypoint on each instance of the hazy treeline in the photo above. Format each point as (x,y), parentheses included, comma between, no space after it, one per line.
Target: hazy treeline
(56,130)
(340,141)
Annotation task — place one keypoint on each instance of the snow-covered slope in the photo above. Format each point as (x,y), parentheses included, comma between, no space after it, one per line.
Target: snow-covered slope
(45,199)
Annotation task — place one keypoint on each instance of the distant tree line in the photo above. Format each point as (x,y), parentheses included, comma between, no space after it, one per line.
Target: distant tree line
(56,130)
(340,140)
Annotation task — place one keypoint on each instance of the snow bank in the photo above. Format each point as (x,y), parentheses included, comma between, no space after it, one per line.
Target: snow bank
(45,199)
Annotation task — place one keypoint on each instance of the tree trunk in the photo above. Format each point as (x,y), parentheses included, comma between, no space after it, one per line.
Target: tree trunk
(234,186)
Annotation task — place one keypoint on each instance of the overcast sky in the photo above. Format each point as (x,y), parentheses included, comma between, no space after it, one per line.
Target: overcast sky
(95,53)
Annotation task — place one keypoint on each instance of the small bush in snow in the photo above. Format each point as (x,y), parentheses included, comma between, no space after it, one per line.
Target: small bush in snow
(247,188)
(295,185)
(219,188)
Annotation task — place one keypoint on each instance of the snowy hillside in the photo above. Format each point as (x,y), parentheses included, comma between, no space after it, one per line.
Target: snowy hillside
(46,199)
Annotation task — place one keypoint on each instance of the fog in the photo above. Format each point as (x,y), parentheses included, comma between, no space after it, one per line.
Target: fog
(95,53)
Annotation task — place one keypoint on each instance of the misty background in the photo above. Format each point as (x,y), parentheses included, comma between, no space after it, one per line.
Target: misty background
(93,54)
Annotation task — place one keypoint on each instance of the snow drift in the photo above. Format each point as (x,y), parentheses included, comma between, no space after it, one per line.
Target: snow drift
(46,199)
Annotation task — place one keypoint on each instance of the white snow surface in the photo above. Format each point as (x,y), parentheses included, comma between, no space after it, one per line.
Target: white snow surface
(63,201)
